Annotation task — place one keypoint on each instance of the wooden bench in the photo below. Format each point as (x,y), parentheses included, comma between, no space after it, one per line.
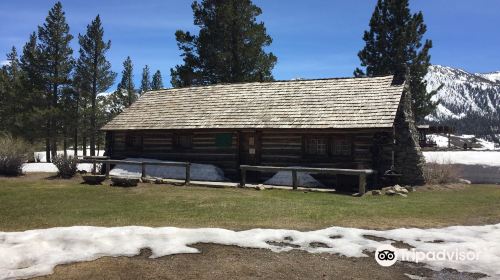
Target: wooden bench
(361,173)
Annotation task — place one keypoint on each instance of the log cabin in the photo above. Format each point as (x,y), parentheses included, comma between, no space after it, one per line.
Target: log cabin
(337,123)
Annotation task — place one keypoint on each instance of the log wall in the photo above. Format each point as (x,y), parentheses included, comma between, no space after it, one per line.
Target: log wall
(275,148)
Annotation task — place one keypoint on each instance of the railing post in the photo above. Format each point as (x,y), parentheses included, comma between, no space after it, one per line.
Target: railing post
(295,179)
(188,173)
(243,177)
(362,184)
(143,170)
(94,167)
(108,168)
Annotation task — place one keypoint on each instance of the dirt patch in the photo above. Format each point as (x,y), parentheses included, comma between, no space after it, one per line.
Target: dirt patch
(394,243)
(229,262)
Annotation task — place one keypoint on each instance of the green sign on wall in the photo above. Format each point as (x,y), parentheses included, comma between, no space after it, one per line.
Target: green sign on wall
(223,139)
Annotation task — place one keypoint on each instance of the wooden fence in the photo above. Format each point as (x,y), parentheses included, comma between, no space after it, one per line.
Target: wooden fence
(107,163)
(361,173)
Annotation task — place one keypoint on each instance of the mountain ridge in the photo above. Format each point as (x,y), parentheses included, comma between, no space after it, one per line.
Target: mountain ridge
(468,101)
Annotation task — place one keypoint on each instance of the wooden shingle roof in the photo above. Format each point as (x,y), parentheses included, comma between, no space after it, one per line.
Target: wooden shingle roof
(328,103)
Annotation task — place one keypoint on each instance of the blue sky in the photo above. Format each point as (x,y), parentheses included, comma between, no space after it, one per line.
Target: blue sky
(312,39)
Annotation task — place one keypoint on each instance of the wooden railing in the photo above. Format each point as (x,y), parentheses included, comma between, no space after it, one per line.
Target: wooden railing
(361,173)
(107,163)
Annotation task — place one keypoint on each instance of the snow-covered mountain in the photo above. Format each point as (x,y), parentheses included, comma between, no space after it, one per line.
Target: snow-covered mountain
(494,77)
(468,101)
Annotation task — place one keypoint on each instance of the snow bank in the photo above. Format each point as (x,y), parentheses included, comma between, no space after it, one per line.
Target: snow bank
(441,141)
(44,167)
(200,172)
(40,156)
(487,145)
(36,252)
(284,178)
(464,157)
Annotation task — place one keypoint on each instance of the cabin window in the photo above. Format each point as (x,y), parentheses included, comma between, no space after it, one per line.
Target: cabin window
(341,147)
(316,146)
(183,141)
(133,141)
(223,140)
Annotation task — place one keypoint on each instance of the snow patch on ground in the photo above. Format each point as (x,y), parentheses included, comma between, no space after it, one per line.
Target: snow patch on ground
(45,167)
(36,252)
(463,157)
(41,156)
(284,178)
(200,172)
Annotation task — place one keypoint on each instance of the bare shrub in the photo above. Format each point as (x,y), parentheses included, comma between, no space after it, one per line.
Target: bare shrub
(13,153)
(441,173)
(67,166)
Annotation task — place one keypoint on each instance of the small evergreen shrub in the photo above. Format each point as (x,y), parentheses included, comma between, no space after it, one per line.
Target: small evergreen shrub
(67,166)
(13,153)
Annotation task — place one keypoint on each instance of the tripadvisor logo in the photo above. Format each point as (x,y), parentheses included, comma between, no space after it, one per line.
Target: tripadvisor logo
(386,255)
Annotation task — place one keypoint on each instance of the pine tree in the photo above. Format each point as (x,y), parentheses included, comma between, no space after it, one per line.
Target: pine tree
(34,90)
(94,70)
(126,85)
(394,47)
(12,95)
(229,47)
(57,63)
(157,83)
(145,82)
(5,97)
(31,64)
(4,83)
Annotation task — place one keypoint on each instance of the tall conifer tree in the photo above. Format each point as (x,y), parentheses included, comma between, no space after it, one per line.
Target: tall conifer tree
(34,89)
(57,63)
(4,83)
(125,93)
(126,84)
(229,47)
(95,70)
(146,80)
(157,81)
(394,46)
(12,96)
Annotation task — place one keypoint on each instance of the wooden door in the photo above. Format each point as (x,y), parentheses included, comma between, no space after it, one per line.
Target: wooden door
(248,148)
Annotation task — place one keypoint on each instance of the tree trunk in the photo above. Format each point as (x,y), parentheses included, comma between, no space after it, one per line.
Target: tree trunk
(75,142)
(53,147)
(93,128)
(65,144)
(47,148)
(53,117)
(84,145)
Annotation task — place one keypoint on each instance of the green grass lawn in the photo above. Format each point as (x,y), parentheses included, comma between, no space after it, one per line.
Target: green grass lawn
(36,202)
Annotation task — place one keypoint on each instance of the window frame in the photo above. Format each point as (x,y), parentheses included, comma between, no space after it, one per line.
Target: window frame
(306,144)
(329,140)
